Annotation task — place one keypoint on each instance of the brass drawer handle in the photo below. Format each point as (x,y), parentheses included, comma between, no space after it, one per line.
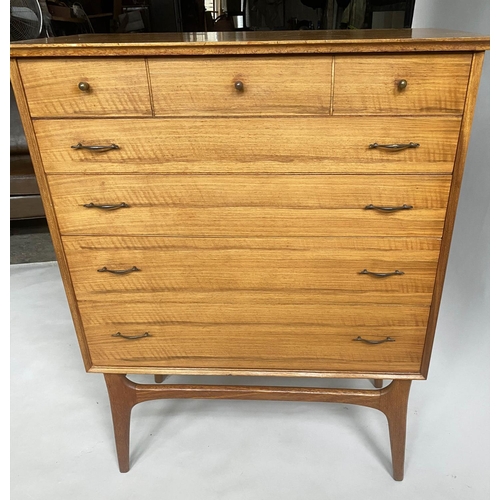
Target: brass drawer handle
(239,86)
(382,275)
(107,207)
(131,337)
(388,209)
(118,271)
(97,149)
(394,147)
(361,339)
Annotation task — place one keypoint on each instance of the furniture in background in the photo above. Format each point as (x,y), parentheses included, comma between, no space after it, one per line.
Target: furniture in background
(254,204)
(25,200)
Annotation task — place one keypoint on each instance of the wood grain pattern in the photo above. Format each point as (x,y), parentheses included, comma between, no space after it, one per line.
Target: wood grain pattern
(255,336)
(436,84)
(117,88)
(246,145)
(253,271)
(271,85)
(251,205)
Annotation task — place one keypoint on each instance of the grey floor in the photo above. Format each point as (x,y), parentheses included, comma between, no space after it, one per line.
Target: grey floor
(62,442)
(30,242)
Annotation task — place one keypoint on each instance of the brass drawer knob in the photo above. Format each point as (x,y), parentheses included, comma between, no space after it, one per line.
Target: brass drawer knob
(84,86)
(239,86)
(402,84)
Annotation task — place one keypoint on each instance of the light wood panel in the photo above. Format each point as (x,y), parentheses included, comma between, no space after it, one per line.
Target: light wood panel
(251,205)
(436,84)
(256,336)
(332,144)
(250,271)
(117,87)
(271,85)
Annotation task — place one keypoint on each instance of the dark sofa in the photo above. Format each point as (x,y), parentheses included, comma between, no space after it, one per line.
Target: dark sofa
(25,202)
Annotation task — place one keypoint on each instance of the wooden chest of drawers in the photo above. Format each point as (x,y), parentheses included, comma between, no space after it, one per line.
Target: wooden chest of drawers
(254,204)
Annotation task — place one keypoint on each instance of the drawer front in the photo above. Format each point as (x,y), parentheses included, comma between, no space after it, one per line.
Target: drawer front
(253,270)
(265,205)
(117,87)
(245,145)
(309,337)
(435,84)
(241,86)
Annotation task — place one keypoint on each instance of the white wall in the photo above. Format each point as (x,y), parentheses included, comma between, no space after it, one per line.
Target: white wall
(468,268)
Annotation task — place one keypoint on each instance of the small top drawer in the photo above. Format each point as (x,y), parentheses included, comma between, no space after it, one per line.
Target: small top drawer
(241,86)
(402,84)
(89,87)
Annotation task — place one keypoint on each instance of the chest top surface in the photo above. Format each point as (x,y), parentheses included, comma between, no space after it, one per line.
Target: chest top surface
(321,41)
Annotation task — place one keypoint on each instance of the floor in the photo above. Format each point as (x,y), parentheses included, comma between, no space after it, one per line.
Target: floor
(30,242)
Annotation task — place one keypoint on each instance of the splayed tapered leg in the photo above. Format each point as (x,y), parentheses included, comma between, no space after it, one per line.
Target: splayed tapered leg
(122,398)
(394,404)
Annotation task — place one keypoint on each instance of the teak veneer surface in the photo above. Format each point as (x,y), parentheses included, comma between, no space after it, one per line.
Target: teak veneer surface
(253,270)
(271,85)
(436,83)
(256,336)
(117,88)
(226,43)
(331,144)
(286,205)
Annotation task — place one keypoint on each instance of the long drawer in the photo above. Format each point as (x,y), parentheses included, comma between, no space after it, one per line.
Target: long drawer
(309,337)
(246,205)
(246,145)
(253,270)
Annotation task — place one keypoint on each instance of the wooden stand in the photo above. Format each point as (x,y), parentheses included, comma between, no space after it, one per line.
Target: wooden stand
(391,400)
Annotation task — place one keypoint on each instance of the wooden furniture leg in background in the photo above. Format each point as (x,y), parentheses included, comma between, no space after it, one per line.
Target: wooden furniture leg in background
(392,401)
(377,383)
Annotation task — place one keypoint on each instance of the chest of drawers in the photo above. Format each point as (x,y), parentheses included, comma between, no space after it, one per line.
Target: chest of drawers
(252,204)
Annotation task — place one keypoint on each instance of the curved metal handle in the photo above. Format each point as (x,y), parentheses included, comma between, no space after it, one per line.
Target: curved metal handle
(84,86)
(107,207)
(131,337)
(118,271)
(239,86)
(382,275)
(388,209)
(394,147)
(387,339)
(402,84)
(97,149)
